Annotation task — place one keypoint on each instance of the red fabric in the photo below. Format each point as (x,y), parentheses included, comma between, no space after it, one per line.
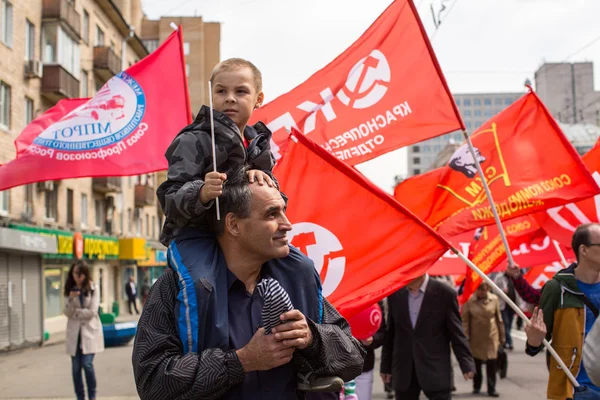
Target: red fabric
(560,222)
(526,174)
(124,130)
(364,244)
(384,92)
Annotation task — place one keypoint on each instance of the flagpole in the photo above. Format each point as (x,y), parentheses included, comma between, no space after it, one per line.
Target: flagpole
(490,198)
(517,310)
(561,254)
(212,136)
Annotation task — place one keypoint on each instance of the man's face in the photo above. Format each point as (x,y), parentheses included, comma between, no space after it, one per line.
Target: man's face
(482,291)
(264,232)
(592,253)
(416,283)
(235,94)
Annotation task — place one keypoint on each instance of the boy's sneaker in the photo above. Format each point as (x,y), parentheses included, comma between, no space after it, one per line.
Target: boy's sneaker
(313,383)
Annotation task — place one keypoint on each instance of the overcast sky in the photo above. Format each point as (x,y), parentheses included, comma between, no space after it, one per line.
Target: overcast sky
(482,45)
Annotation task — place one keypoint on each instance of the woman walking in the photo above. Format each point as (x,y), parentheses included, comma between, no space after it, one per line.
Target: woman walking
(482,323)
(84,330)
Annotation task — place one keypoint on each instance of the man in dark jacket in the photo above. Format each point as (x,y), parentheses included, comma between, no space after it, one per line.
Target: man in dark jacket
(224,352)
(423,320)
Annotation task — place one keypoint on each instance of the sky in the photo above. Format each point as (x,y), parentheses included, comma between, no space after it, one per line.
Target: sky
(481,45)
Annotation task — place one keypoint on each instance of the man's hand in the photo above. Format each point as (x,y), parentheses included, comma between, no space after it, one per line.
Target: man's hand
(536,331)
(386,378)
(213,186)
(367,341)
(469,375)
(263,353)
(513,270)
(295,332)
(260,176)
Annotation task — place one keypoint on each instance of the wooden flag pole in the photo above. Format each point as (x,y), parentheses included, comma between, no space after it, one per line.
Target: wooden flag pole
(518,311)
(212,136)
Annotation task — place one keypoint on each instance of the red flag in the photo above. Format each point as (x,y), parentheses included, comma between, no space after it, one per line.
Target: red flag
(488,250)
(560,222)
(540,274)
(364,244)
(384,92)
(124,130)
(525,173)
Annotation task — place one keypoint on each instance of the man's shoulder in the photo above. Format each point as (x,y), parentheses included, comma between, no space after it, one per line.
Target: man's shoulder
(442,288)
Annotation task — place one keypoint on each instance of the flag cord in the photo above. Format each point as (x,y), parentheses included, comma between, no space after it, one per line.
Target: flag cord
(212,136)
(561,254)
(490,198)
(517,310)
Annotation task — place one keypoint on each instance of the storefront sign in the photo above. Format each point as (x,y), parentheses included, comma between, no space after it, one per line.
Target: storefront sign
(132,249)
(63,240)
(152,258)
(161,256)
(100,247)
(78,245)
(16,239)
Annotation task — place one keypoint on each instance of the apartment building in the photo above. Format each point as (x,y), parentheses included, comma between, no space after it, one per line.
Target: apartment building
(50,50)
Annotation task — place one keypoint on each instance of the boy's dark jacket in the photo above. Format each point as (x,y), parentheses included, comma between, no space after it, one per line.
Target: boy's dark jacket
(190,159)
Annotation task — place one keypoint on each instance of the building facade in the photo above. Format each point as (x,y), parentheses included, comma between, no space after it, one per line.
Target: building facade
(567,89)
(50,50)
(475,110)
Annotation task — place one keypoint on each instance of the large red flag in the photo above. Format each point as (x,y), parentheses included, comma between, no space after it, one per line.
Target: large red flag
(123,130)
(384,92)
(560,222)
(528,163)
(364,244)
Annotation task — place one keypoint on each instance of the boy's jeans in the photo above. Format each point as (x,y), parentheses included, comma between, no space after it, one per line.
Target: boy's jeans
(585,393)
(84,361)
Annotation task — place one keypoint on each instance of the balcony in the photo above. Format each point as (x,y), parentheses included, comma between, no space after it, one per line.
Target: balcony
(144,195)
(106,63)
(58,83)
(107,185)
(63,11)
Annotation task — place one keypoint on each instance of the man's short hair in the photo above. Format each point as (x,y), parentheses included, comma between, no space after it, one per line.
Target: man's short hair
(582,236)
(236,198)
(233,64)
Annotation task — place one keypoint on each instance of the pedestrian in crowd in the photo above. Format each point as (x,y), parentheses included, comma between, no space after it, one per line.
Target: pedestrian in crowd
(505,284)
(563,298)
(484,328)
(145,290)
(364,382)
(84,337)
(131,291)
(216,346)
(423,321)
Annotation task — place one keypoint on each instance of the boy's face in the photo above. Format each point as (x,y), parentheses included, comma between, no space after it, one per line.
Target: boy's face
(235,95)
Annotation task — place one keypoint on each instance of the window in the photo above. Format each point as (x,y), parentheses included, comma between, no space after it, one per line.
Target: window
(122,222)
(457,101)
(416,149)
(129,219)
(29,41)
(150,45)
(416,161)
(84,210)
(4,105)
(6,12)
(508,101)
(138,223)
(469,125)
(99,36)
(426,149)
(477,102)
(416,171)
(51,203)
(4,202)
(467,113)
(69,206)
(477,124)
(186,48)
(28,202)
(498,101)
(28,110)
(153,227)
(478,113)
(99,213)
(467,102)
(488,113)
(85,84)
(62,49)
(487,101)
(147,225)
(85,28)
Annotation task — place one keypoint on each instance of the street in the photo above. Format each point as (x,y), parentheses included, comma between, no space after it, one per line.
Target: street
(45,373)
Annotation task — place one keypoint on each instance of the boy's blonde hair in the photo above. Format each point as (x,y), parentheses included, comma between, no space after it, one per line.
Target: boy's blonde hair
(238,63)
